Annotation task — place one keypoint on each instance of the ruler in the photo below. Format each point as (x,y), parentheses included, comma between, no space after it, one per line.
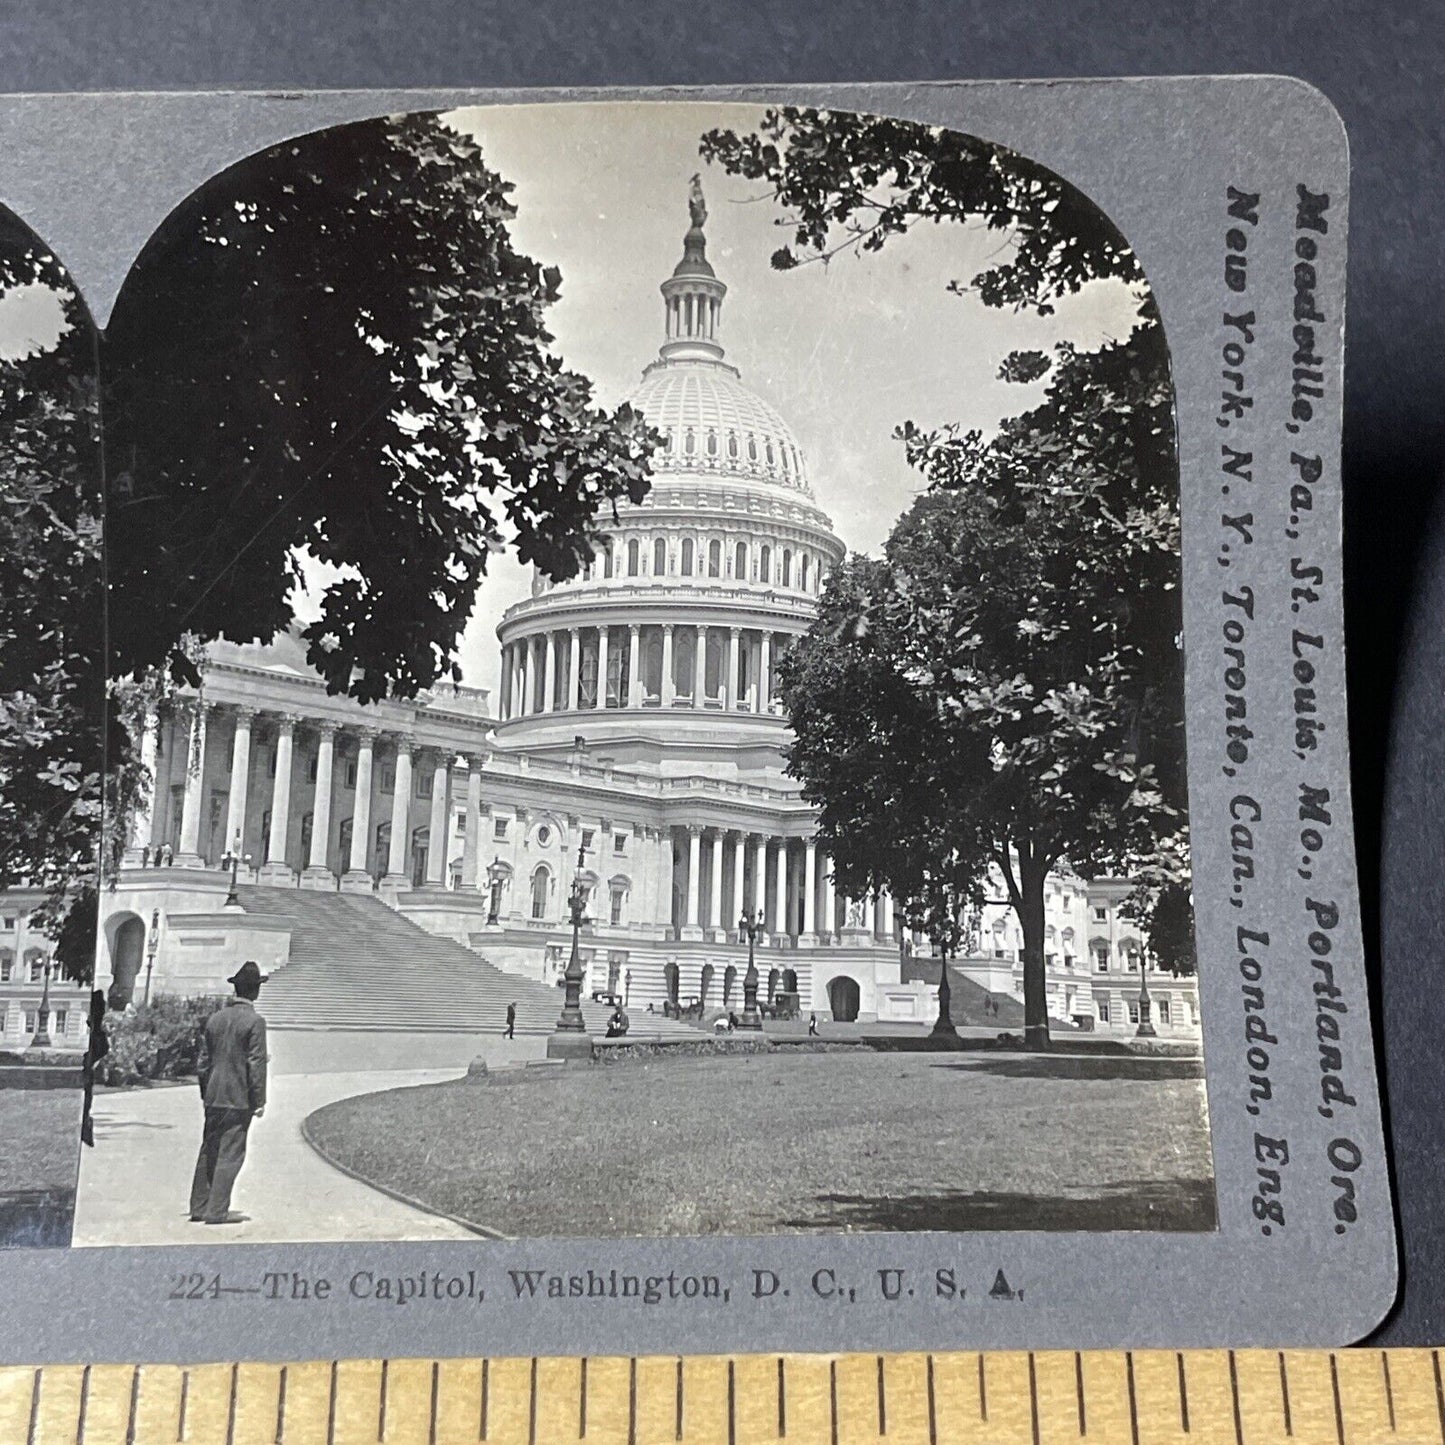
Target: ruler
(1244,1397)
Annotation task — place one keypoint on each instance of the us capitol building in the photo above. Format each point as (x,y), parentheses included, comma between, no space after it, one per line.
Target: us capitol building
(638,723)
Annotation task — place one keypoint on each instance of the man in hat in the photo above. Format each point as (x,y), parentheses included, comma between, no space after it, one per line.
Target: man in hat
(232,1071)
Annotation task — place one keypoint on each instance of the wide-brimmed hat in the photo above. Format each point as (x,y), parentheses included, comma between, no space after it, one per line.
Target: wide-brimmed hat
(248,975)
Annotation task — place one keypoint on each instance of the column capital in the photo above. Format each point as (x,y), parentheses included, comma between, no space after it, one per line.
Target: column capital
(695,830)
(325,728)
(365,733)
(243,713)
(634,628)
(735,633)
(476,761)
(667,628)
(402,742)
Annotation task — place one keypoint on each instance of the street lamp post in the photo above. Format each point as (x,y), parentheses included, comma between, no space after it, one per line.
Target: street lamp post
(42,1033)
(627,988)
(570,1039)
(152,942)
(1146,1026)
(496,872)
(233,861)
(753,927)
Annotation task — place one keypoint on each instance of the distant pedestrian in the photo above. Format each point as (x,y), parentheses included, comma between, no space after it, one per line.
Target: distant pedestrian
(812,1026)
(165,855)
(232,1073)
(511,1021)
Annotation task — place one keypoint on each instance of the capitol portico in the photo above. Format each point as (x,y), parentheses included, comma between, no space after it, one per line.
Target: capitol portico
(638,727)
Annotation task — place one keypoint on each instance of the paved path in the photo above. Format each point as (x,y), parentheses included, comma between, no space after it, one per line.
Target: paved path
(134,1183)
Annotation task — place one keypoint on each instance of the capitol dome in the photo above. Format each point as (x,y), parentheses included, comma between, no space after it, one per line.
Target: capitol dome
(712,423)
(664,649)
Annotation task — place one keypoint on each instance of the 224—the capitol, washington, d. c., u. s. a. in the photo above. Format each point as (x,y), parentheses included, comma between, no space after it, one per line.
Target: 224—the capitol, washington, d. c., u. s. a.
(407,866)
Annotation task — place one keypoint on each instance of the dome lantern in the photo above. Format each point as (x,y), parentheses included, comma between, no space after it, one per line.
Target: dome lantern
(693,295)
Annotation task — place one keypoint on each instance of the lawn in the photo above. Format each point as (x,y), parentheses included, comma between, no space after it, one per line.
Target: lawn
(39,1156)
(850,1140)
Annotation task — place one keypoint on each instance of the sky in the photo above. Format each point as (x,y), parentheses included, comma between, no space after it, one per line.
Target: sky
(846,352)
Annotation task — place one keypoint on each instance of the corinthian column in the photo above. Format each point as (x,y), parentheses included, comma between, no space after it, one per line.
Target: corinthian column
(634,668)
(142,826)
(240,779)
(549,672)
(397,851)
(765,675)
(358,873)
(760,879)
(472,839)
(694,878)
(436,844)
(739,867)
(602,667)
(730,688)
(780,902)
(669,686)
(194,763)
(574,669)
(715,918)
(808,924)
(277,869)
(699,669)
(317,868)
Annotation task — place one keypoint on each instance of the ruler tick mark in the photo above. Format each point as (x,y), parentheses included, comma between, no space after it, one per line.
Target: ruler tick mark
(882,1401)
(1339,1404)
(932,1411)
(1389,1389)
(732,1406)
(1439,1392)
(31,1437)
(1133,1397)
(1079,1391)
(431,1434)
(833,1397)
(381,1402)
(1234,1394)
(231,1405)
(331,1409)
(1183,1393)
(532,1405)
(84,1404)
(486,1381)
(1284,1395)
(135,1406)
(677,1434)
(582,1406)
(185,1401)
(982,1391)
(632,1401)
(280,1409)
(1033,1399)
(782,1402)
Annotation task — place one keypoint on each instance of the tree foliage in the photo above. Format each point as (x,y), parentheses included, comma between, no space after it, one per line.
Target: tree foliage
(52,676)
(1026,620)
(333,348)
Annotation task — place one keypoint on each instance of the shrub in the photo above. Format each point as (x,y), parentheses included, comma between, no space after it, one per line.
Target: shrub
(158,1040)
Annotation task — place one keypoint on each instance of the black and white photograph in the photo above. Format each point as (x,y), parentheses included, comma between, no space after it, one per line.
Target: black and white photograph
(645,684)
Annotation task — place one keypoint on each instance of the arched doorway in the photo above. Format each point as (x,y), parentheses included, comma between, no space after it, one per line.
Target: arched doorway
(127,954)
(843,999)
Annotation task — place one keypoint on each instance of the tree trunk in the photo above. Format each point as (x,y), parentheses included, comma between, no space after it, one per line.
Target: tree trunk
(1031,920)
(943,1025)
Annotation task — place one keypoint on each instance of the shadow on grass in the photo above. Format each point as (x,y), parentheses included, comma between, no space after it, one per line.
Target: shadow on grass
(36,1218)
(1077,1068)
(1186,1205)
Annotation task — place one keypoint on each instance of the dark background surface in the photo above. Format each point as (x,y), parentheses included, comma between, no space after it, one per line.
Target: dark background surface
(1383,65)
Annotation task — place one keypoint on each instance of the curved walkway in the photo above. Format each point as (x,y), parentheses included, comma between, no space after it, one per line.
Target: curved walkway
(134,1182)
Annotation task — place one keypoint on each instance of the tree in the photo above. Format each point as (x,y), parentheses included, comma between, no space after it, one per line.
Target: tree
(333,348)
(1030,598)
(52,676)
(881,766)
